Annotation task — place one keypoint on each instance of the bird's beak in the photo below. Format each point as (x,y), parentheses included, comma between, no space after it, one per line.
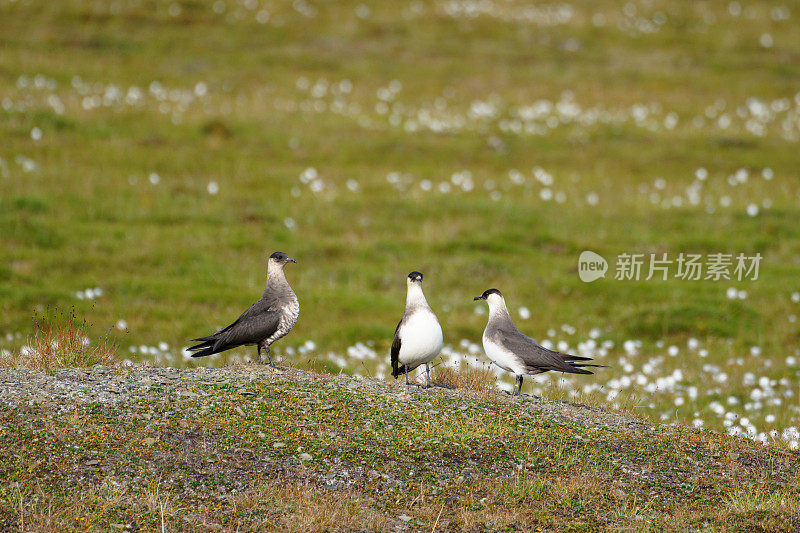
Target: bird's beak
(478,298)
(290,260)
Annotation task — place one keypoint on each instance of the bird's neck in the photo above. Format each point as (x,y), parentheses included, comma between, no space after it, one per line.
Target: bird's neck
(274,276)
(499,312)
(415,298)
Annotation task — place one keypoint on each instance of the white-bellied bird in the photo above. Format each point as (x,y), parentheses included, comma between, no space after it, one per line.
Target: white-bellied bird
(418,338)
(517,353)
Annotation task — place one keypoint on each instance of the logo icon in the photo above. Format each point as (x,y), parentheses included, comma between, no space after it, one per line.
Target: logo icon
(591,266)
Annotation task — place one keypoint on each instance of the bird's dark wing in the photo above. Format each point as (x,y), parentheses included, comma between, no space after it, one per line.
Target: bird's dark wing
(258,322)
(539,358)
(397,369)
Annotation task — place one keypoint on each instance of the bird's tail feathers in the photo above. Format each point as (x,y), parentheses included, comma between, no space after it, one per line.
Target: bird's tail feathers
(204,348)
(576,370)
(568,357)
(580,368)
(203,353)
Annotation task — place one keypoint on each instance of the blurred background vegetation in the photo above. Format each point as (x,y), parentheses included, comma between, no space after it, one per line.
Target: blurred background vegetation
(159,150)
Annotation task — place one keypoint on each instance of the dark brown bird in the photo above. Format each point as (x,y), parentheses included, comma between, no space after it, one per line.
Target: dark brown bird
(270,318)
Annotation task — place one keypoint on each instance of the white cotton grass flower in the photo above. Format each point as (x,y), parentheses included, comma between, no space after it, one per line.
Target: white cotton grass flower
(308,175)
(316,186)
(89,294)
(631,347)
(212,187)
(672,351)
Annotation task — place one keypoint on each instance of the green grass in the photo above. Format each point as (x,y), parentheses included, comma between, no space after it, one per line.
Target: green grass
(174,261)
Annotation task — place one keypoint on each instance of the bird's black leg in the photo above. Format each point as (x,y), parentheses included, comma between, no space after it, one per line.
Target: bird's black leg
(407,383)
(519,389)
(260,360)
(428,372)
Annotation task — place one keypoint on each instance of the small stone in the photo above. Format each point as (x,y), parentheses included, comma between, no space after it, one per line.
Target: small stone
(93,462)
(239,410)
(245,392)
(261,434)
(326,408)
(404,518)
(149,441)
(279,445)
(306,457)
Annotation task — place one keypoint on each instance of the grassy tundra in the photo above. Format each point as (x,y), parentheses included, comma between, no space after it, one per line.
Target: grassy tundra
(157,150)
(244,448)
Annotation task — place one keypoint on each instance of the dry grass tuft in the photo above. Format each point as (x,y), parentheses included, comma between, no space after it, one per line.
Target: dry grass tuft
(756,500)
(59,340)
(265,506)
(467,378)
